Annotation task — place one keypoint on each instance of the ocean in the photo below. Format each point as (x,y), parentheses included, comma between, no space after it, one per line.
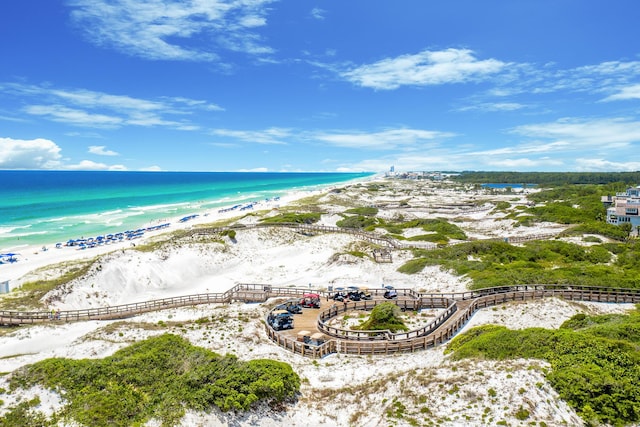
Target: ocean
(46,207)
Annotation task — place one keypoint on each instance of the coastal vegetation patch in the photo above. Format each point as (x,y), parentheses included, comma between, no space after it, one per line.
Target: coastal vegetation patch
(293,217)
(358,222)
(495,263)
(365,211)
(594,361)
(579,205)
(29,296)
(550,178)
(384,316)
(158,378)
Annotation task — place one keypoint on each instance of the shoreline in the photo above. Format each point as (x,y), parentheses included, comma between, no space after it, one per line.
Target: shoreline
(287,259)
(35,217)
(32,257)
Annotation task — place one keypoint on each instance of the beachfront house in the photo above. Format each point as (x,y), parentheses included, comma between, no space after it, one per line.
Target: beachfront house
(623,208)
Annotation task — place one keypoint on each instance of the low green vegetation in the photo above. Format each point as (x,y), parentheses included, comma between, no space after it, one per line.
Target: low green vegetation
(495,263)
(229,233)
(384,316)
(439,230)
(595,361)
(502,206)
(29,295)
(366,211)
(580,205)
(293,217)
(437,226)
(549,178)
(157,378)
(358,222)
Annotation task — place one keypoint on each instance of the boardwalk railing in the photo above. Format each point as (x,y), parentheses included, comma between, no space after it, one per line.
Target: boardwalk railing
(459,309)
(360,335)
(456,316)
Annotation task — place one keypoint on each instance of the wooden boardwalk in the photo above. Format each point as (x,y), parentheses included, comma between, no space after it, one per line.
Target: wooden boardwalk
(457,309)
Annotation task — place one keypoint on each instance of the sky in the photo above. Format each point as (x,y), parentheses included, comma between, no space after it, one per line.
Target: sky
(320,85)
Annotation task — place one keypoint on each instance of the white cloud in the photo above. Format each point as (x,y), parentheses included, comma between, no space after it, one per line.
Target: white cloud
(86,108)
(254,170)
(101,150)
(522,163)
(606,165)
(271,136)
(389,139)
(29,154)
(164,29)
(88,165)
(59,113)
(42,154)
(576,134)
(629,92)
(596,79)
(318,13)
(536,147)
(424,69)
(494,106)
(154,168)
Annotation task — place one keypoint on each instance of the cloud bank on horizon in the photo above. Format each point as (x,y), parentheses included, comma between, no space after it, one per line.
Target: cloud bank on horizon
(231,85)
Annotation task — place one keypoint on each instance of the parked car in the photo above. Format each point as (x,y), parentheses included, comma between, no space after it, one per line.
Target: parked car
(280,319)
(364,293)
(292,306)
(339,296)
(310,301)
(390,293)
(310,339)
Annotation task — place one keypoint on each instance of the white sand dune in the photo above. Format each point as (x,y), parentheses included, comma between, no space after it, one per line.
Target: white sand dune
(338,390)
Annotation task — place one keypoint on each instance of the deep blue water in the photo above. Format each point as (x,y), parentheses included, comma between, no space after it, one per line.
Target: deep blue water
(494,185)
(44,207)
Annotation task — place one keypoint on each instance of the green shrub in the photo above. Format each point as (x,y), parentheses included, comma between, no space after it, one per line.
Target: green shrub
(502,206)
(296,218)
(159,378)
(496,263)
(594,361)
(366,211)
(230,233)
(384,316)
(23,415)
(358,221)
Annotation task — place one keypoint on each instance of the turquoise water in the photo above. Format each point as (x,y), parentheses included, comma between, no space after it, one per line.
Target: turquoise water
(46,207)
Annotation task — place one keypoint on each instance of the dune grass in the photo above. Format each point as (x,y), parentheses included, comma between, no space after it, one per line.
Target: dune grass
(158,378)
(594,361)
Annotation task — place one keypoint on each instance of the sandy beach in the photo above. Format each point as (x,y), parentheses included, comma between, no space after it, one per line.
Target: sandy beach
(338,390)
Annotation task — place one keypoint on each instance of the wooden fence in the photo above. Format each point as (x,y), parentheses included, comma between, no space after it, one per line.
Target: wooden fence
(459,309)
(451,321)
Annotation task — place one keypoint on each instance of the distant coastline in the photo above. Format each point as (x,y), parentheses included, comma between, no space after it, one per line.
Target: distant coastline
(47,207)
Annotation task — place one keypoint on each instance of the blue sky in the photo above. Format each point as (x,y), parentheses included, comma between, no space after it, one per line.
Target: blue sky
(320,85)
